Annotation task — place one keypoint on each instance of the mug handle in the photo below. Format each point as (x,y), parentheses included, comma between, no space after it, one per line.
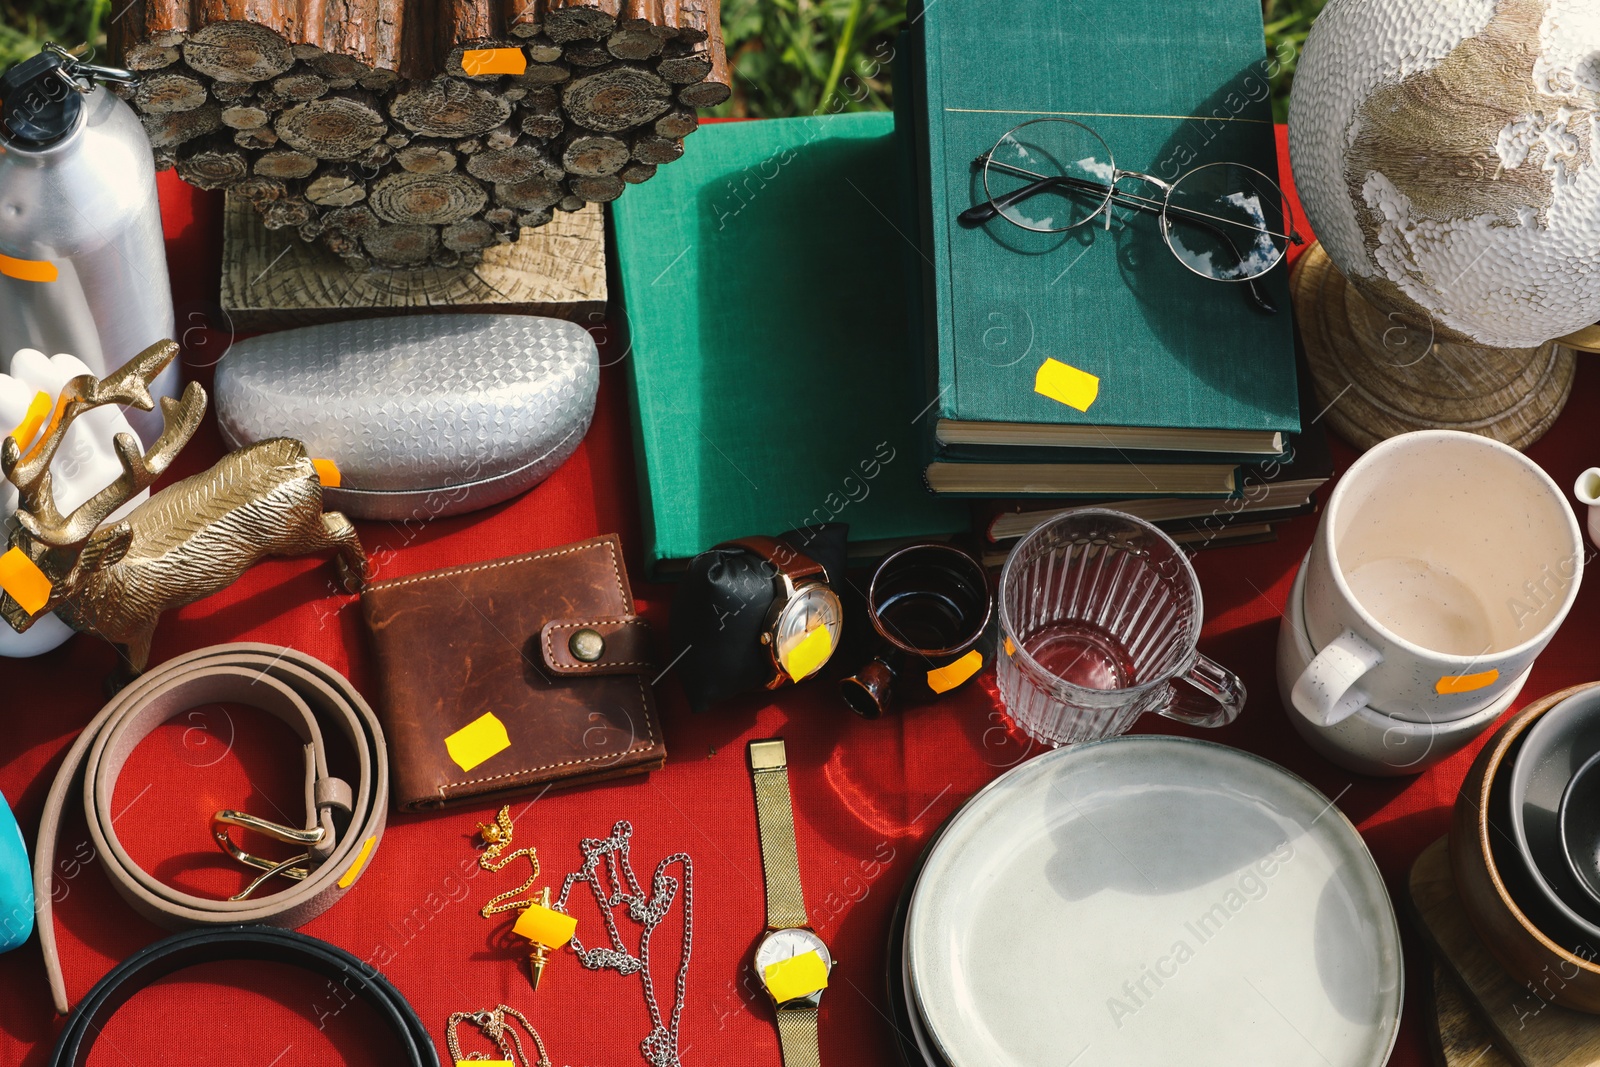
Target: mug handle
(1326,691)
(1223,695)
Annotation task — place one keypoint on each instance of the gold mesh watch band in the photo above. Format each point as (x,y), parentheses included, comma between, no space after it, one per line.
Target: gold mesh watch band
(797,1036)
(780,860)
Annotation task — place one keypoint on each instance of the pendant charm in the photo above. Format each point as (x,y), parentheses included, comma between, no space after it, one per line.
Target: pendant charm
(545,927)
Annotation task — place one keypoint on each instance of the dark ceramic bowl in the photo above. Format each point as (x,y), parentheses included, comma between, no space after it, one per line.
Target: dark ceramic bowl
(1510,915)
(1553,749)
(1580,826)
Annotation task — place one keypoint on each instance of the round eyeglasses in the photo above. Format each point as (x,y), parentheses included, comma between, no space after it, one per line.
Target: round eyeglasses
(1223,221)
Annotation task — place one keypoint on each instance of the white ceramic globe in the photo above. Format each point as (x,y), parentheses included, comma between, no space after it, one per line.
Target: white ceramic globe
(1447,153)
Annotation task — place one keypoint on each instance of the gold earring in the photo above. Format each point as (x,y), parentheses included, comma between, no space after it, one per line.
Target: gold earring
(544,927)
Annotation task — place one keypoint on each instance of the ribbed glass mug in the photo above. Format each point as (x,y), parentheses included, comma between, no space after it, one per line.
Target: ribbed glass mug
(1100,613)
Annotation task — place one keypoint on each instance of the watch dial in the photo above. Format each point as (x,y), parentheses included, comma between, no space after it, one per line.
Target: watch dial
(783,945)
(814,607)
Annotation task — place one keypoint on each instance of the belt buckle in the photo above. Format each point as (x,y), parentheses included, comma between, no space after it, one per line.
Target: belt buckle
(288,868)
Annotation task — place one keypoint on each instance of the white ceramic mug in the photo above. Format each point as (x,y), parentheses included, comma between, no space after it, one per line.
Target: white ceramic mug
(1442,567)
(1370,742)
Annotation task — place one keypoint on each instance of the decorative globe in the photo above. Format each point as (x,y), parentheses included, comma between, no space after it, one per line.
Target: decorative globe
(1447,153)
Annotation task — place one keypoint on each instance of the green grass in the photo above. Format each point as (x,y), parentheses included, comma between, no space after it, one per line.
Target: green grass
(27,24)
(790,57)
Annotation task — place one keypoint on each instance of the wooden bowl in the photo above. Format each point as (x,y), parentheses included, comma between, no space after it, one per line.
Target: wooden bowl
(1530,957)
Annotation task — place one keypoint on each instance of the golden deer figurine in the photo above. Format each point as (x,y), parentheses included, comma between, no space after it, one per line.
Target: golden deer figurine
(186,542)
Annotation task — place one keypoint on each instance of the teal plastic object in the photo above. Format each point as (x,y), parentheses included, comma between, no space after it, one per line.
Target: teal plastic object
(16,883)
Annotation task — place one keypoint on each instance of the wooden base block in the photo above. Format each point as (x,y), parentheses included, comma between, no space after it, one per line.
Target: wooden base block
(1377,377)
(272,279)
(1459,1037)
(1511,1022)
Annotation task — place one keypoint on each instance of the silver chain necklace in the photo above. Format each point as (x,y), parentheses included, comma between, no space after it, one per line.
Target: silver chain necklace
(660,1048)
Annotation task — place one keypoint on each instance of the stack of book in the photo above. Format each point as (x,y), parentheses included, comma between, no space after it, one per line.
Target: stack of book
(1192,417)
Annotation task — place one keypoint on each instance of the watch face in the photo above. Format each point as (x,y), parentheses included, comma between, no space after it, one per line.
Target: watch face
(808,630)
(782,945)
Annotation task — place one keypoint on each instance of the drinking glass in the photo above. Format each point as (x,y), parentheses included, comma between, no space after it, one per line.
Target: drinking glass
(1100,613)
(930,606)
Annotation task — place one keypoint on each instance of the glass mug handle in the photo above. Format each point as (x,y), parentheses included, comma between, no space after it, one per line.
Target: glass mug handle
(1219,701)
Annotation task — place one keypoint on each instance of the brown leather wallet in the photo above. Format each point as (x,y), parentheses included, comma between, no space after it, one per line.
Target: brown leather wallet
(511,675)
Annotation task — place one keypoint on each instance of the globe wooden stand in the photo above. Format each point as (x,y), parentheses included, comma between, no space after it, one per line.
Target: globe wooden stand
(1376,377)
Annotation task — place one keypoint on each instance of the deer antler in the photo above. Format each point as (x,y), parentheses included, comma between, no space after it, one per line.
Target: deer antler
(128,385)
(181,418)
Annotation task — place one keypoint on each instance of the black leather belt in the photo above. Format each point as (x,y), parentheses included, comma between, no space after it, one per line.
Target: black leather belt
(267,943)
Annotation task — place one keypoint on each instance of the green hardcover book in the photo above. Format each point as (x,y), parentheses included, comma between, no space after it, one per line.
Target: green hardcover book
(1185,365)
(772,382)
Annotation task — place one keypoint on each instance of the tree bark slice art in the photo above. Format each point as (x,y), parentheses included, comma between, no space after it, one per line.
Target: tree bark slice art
(357,124)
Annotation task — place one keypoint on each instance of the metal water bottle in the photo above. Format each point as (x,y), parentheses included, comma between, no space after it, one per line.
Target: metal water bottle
(82,265)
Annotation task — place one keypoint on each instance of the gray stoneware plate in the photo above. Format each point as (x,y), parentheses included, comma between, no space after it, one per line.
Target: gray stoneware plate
(1151,900)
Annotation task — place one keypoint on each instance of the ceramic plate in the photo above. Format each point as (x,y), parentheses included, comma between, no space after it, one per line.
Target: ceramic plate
(1153,900)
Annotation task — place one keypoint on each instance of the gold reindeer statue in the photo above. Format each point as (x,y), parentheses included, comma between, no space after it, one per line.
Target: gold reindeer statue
(186,542)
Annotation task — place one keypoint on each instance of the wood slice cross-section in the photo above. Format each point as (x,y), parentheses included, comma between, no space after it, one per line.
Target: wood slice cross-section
(427,199)
(528,108)
(338,127)
(616,99)
(449,107)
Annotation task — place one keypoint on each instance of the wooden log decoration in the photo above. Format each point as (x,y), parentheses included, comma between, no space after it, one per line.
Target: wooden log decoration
(427,199)
(218,166)
(417,133)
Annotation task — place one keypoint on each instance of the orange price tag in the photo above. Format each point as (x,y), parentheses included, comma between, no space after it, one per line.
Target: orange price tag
(38,411)
(943,679)
(28,270)
(22,578)
(327,472)
(476,61)
(1465,683)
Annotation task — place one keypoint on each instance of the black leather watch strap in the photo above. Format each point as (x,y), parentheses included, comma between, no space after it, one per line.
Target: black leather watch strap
(267,943)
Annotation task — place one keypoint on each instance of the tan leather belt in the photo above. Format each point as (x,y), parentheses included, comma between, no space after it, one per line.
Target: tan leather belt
(343,824)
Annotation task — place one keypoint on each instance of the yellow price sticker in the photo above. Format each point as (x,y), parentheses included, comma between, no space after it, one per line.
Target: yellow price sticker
(476,61)
(1465,683)
(475,742)
(545,926)
(349,877)
(1066,385)
(943,679)
(797,977)
(807,657)
(22,578)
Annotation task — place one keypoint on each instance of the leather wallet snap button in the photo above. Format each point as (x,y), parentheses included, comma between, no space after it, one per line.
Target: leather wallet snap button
(587,645)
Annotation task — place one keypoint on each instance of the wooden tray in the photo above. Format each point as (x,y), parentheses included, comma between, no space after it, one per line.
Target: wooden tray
(1512,1025)
(272,279)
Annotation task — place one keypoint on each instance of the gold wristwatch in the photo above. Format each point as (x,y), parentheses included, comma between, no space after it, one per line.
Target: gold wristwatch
(791,959)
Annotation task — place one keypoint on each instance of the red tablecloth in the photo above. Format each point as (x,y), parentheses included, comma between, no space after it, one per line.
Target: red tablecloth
(866,794)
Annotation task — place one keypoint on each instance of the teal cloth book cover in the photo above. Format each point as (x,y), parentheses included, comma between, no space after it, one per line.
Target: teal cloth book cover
(772,382)
(1169,85)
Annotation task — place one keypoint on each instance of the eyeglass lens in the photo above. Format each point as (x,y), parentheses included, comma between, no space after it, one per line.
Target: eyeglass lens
(1226,221)
(1049,175)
